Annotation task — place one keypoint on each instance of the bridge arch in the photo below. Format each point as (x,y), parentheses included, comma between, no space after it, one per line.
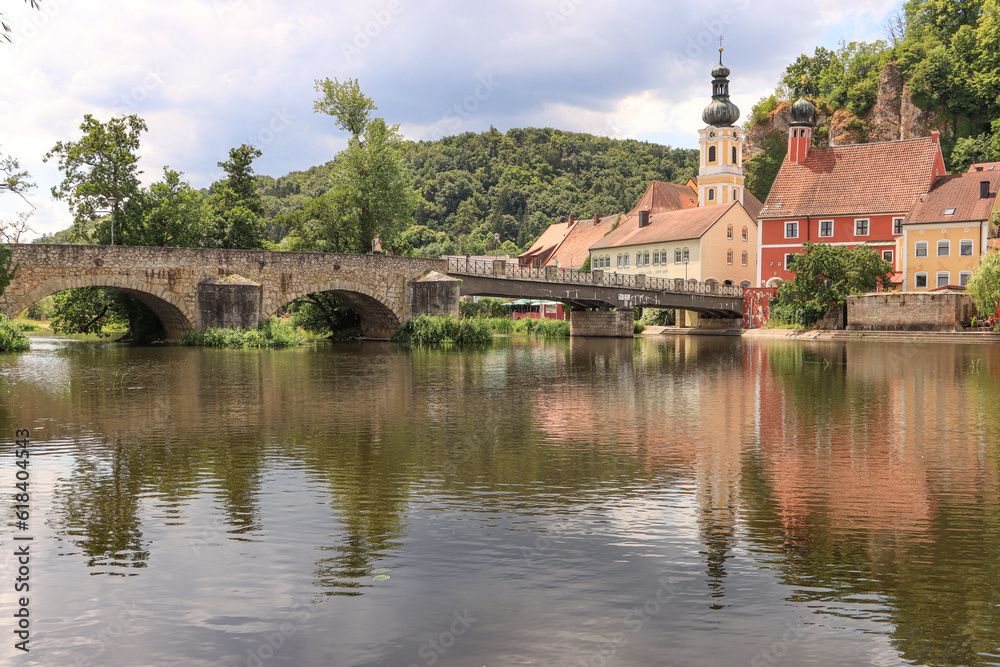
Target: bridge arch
(378,320)
(175,321)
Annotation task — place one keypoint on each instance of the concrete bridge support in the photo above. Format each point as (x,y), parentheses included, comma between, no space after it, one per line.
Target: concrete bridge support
(603,323)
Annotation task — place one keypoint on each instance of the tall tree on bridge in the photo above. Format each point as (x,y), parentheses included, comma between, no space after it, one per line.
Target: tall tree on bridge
(101,170)
(237,202)
(372,191)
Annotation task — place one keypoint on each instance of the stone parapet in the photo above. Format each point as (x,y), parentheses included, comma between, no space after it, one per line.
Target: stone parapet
(909,311)
(605,323)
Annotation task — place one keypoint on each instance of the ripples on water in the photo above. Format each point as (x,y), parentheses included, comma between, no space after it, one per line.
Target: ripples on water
(663,501)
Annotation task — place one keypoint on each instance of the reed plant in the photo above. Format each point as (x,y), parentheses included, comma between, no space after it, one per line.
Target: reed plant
(271,333)
(12,338)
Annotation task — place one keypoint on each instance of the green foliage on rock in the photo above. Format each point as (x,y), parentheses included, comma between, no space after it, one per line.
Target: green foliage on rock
(326,315)
(272,333)
(12,338)
(825,275)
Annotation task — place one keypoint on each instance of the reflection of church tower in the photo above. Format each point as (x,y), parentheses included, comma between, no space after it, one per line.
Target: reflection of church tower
(720,177)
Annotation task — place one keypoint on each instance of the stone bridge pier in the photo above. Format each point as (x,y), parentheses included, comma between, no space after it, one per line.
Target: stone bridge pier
(195,288)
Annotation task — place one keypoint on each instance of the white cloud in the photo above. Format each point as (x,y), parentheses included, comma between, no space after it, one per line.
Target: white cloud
(208,75)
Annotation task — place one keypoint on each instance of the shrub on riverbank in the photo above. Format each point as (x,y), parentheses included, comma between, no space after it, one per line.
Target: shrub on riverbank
(432,330)
(12,338)
(530,326)
(271,333)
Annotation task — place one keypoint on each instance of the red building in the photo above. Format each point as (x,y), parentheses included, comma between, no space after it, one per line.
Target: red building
(841,195)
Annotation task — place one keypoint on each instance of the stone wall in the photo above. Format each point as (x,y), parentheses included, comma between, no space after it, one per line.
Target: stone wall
(909,311)
(608,323)
(224,305)
(167,279)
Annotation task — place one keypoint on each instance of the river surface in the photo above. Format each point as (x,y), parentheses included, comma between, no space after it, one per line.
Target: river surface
(663,501)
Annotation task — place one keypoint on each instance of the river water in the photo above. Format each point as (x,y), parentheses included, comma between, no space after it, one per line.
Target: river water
(663,501)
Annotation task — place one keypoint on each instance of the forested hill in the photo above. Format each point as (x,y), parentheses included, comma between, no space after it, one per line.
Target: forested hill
(514,184)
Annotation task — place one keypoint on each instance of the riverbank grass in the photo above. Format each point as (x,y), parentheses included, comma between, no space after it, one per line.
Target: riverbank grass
(434,330)
(271,333)
(12,338)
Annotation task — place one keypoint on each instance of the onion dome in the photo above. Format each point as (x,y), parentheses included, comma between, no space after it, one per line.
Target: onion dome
(802,112)
(721,112)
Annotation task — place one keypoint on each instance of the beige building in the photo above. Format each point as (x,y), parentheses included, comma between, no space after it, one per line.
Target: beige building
(706,244)
(948,230)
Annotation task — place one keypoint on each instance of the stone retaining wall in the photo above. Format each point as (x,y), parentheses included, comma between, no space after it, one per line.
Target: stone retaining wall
(909,311)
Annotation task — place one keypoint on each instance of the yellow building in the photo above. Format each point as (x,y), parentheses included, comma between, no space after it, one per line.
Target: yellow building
(720,172)
(948,230)
(707,244)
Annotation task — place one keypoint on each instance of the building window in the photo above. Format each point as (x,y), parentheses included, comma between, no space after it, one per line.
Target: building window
(677,256)
(607,262)
(921,249)
(687,254)
(638,259)
(645,259)
(711,194)
(745,234)
(734,162)
(791,230)
(943,279)
(965,247)
(920,281)
(619,261)
(788,259)
(626,261)
(861,227)
(736,194)
(943,248)
(887,255)
(729,232)
(656,258)
(711,153)
(897,226)
(745,284)
(663,257)
(826,227)
(963,278)
(729,257)
(744,258)
(598,262)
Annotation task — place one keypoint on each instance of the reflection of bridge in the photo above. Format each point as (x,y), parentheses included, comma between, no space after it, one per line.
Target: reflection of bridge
(595,289)
(193,288)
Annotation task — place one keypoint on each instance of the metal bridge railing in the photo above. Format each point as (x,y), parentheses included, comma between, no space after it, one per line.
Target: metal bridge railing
(551,274)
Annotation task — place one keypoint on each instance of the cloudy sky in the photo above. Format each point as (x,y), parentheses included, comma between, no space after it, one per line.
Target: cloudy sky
(208,75)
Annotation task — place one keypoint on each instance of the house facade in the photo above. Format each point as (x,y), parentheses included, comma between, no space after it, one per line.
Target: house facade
(948,230)
(842,195)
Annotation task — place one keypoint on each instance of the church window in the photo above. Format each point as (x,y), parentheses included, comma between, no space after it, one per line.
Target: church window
(711,153)
(711,194)
(734,160)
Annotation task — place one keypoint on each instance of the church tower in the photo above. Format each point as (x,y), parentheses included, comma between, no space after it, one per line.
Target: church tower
(720,176)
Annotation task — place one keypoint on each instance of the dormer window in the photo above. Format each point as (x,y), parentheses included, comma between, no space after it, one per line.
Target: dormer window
(949,211)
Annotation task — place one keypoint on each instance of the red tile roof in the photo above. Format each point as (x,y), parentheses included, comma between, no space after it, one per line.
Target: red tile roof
(661,196)
(669,226)
(575,248)
(984,166)
(884,177)
(752,204)
(958,193)
(546,243)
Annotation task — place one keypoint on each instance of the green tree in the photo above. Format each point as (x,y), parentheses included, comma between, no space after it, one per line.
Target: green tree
(762,168)
(173,214)
(101,169)
(984,284)
(237,202)
(825,275)
(371,188)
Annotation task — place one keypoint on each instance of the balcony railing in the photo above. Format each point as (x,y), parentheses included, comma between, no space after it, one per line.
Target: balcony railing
(551,274)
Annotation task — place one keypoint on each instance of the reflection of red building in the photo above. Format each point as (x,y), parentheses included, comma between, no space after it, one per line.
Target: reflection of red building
(536,309)
(841,195)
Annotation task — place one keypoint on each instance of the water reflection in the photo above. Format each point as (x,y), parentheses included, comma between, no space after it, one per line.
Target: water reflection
(547,485)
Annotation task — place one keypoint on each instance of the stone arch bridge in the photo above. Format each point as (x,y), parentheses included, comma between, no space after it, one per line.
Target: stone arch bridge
(193,288)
